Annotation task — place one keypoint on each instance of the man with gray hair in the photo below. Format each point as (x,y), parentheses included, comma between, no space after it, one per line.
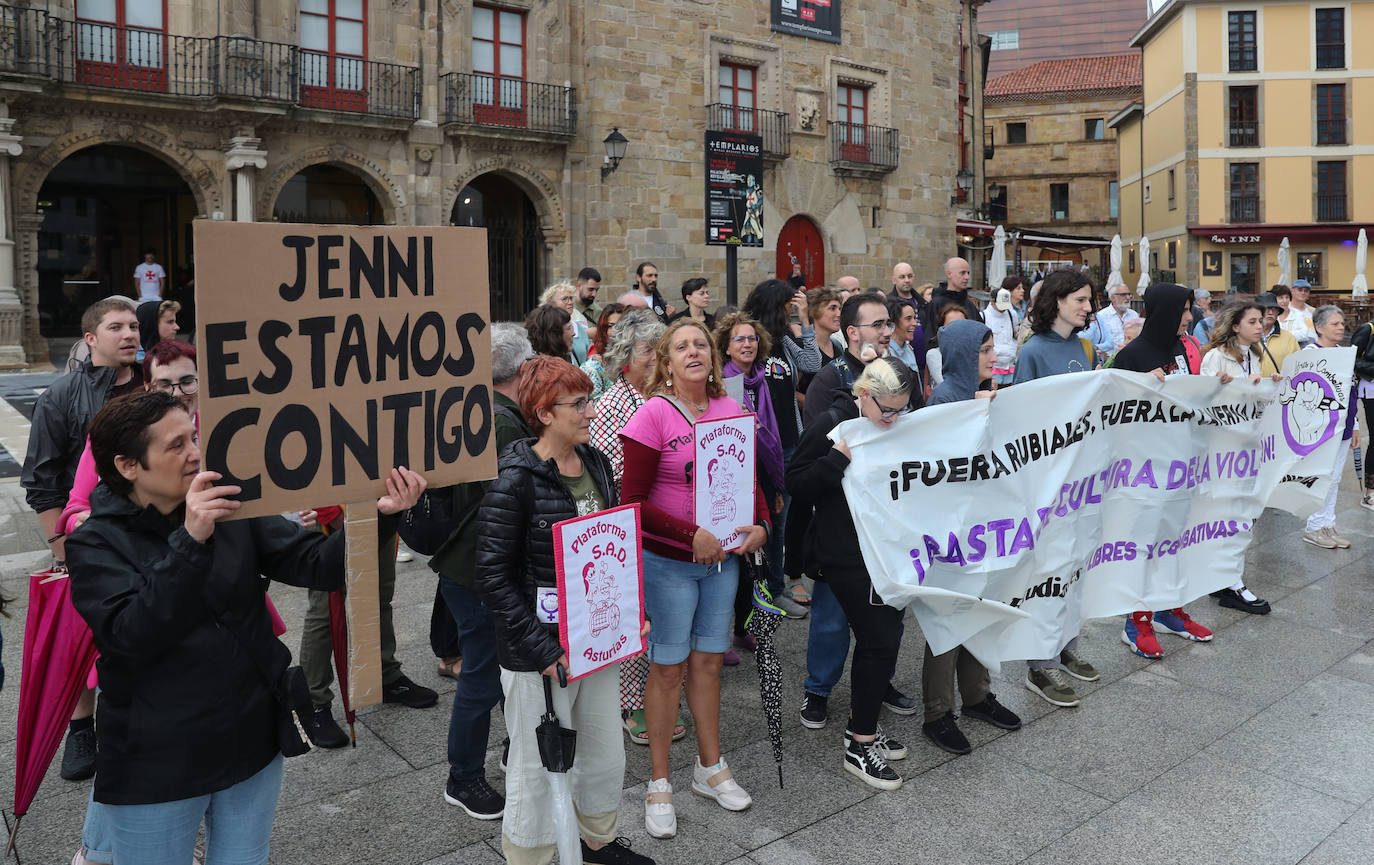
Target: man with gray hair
(449,532)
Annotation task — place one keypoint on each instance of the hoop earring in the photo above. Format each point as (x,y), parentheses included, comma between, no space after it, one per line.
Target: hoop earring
(670,384)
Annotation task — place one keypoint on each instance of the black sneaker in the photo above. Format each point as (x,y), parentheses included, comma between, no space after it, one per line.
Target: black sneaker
(407,693)
(505,756)
(946,736)
(994,713)
(865,761)
(897,702)
(891,748)
(323,731)
(1236,601)
(617,852)
(475,797)
(78,757)
(813,714)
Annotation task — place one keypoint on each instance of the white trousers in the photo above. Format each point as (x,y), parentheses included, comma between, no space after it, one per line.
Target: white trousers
(1326,517)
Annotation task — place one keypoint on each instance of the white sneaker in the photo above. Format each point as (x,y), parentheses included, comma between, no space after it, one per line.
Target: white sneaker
(660,817)
(1367,501)
(404,555)
(1336,538)
(717,782)
(1319,538)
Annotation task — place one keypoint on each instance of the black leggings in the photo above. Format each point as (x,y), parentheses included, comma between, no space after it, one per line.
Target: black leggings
(877,637)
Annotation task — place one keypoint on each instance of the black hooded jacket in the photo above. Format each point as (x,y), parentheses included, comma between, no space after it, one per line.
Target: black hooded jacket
(515,554)
(147,323)
(1158,346)
(186,644)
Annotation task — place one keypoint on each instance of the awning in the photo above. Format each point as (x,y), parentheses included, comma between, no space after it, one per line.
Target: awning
(976,227)
(1274,233)
(1060,241)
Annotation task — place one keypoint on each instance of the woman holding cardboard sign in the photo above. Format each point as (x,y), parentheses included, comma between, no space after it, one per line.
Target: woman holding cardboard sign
(557,477)
(689,580)
(197,700)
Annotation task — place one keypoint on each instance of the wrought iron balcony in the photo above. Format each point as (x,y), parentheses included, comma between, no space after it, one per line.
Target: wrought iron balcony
(1245,208)
(770,125)
(34,43)
(863,148)
(1331,131)
(1331,56)
(509,103)
(1244,133)
(1331,208)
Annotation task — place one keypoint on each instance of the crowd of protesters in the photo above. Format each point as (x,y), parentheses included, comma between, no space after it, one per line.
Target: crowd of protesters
(592,403)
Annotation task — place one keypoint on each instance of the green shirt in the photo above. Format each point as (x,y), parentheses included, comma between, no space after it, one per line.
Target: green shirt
(584,492)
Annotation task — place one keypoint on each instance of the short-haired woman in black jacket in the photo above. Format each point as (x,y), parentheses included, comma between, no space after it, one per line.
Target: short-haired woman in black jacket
(558,476)
(192,714)
(881,395)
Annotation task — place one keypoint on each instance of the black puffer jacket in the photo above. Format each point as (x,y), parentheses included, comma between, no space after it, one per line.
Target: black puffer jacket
(814,475)
(58,434)
(186,644)
(515,549)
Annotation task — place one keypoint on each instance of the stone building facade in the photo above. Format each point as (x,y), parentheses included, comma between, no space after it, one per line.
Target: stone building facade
(423,112)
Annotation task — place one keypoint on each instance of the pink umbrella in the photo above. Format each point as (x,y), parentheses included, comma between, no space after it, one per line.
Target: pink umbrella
(58,651)
(338,638)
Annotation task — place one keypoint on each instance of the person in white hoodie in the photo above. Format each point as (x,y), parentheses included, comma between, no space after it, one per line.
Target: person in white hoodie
(1001,319)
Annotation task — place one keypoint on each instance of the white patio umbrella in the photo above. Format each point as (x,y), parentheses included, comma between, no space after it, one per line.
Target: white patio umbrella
(997,262)
(1285,263)
(1144,282)
(1359,287)
(1114,278)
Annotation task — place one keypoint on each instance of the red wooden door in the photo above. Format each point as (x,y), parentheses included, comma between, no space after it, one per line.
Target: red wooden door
(801,237)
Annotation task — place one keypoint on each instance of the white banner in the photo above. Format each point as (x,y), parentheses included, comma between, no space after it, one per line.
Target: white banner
(1005,523)
(600,588)
(724,477)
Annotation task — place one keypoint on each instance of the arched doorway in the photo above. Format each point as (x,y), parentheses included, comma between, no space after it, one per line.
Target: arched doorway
(328,195)
(103,207)
(515,242)
(801,237)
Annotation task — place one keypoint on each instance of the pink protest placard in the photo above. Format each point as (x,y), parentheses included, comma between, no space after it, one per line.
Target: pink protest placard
(724,477)
(600,588)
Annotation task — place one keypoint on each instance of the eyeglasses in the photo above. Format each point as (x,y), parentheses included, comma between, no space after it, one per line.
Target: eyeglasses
(578,405)
(188,385)
(743,340)
(880,325)
(888,413)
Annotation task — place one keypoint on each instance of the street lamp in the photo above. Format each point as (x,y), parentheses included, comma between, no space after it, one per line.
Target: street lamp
(965,180)
(615,151)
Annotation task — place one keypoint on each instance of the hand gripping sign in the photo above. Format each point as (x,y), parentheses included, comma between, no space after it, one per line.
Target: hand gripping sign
(600,589)
(724,477)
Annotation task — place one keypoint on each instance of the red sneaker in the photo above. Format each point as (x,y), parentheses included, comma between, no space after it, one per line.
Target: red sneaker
(1176,621)
(1141,637)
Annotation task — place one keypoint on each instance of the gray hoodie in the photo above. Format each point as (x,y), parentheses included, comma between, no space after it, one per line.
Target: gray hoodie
(1048,353)
(959,344)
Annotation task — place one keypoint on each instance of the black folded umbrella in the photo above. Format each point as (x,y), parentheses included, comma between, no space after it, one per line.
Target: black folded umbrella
(763,621)
(557,748)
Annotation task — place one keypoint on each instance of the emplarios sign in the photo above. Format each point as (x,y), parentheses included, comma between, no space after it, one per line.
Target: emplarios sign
(329,354)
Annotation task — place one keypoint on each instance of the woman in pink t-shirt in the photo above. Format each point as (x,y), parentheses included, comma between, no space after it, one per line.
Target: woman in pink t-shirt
(689,581)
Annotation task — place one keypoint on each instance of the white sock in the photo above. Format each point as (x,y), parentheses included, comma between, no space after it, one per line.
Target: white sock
(1249,596)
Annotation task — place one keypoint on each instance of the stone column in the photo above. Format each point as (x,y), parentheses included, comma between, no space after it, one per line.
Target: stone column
(11,309)
(244,159)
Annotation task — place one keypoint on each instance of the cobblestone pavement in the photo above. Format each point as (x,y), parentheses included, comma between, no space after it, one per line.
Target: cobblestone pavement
(1251,749)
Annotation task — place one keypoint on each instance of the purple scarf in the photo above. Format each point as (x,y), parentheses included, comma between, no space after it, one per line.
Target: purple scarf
(769,442)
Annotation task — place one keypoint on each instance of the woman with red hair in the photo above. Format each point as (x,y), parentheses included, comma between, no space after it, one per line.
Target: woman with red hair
(558,476)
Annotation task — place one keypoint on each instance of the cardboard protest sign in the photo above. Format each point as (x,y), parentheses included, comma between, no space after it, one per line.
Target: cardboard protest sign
(363,606)
(1005,523)
(724,477)
(330,354)
(600,588)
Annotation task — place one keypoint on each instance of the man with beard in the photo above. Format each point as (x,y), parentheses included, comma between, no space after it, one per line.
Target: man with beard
(57,437)
(588,284)
(646,283)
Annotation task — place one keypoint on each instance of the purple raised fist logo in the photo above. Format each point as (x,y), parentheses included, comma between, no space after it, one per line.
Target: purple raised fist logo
(1310,411)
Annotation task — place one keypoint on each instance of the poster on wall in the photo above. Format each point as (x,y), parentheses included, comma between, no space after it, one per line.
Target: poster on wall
(1211,264)
(734,189)
(814,19)
(724,477)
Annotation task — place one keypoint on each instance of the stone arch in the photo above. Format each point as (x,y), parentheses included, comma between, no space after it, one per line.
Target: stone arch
(202,180)
(542,191)
(391,196)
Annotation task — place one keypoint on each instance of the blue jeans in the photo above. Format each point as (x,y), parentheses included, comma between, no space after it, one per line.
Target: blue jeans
(827,643)
(479,683)
(689,606)
(97,836)
(238,824)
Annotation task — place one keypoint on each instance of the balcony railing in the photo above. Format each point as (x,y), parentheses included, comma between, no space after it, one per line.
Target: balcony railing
(509,103)
(1245,208)
(1331,56)
(1331,208)
(772,126)
(34,43)
(1244,57)
(1331,131)
(871,148)
(1244,134)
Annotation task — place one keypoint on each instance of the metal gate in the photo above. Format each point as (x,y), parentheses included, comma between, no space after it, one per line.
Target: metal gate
(514,248)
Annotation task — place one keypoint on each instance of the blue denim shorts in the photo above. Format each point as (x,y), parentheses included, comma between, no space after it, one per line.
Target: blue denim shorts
(689,606)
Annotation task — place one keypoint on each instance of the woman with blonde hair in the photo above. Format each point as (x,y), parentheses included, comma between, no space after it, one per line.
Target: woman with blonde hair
(689,580)
(564,296)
